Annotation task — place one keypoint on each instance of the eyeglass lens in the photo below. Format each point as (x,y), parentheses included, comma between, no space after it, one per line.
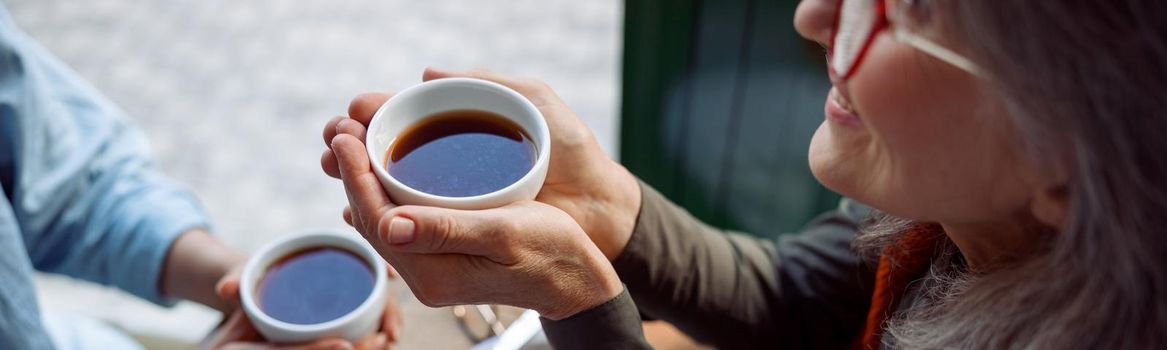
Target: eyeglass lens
(857,20)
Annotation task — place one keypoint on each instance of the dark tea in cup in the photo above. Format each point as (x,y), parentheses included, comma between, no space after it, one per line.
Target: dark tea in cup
(315,285)
(459,143)
(461,153)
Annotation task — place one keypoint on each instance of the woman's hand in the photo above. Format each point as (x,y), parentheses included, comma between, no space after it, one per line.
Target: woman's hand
(237,333)
(527,254)
(598,193)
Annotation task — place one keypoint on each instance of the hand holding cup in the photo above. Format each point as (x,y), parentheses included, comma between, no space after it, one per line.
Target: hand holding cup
(525,253)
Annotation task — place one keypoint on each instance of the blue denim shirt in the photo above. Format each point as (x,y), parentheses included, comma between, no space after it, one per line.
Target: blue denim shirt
(81,195)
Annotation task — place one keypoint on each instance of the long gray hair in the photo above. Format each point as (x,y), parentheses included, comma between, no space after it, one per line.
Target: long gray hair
(1085,84)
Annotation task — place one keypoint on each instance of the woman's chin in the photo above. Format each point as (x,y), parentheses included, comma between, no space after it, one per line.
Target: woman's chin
(824,158)
(835,160)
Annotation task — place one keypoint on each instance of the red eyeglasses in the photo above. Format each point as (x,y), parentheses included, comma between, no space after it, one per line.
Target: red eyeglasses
(857,24)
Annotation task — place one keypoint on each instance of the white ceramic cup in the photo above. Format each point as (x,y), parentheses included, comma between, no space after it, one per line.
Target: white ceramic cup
(358,323)
(440,95)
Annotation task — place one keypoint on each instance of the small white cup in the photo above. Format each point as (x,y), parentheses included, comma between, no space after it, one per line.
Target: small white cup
(435,96)
(358,323)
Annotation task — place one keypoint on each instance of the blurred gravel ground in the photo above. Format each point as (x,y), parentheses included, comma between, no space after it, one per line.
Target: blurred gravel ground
(233,94)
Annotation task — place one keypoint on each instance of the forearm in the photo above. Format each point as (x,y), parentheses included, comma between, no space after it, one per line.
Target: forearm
(194,265)
(612,325)
(709,285)
(732,290)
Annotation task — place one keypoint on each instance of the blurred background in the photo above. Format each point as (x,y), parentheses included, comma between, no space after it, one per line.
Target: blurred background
(711,102)
(233,96)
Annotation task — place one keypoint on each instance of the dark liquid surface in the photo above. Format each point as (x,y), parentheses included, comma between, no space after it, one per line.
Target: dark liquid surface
(461,153)
(315,285)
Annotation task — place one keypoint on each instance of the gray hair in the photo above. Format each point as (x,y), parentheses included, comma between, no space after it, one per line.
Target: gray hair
(1085,86)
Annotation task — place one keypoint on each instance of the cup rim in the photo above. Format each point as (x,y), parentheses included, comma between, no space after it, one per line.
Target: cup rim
(542,138)
(261,260)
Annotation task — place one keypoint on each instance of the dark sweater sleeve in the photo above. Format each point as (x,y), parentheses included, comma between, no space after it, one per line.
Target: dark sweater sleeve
(729,290)
(612,325)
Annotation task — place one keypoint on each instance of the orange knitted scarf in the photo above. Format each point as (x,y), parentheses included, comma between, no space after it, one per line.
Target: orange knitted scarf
(899,264)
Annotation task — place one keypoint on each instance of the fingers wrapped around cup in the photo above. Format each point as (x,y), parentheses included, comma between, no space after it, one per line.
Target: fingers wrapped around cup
(525,254)
(442,181)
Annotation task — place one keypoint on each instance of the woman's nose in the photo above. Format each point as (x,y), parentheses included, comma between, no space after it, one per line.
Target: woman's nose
(814,18)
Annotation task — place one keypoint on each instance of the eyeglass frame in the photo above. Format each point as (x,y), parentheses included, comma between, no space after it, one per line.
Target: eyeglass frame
(901,34)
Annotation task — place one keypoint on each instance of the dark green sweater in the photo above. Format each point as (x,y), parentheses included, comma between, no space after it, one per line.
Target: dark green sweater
(730,290)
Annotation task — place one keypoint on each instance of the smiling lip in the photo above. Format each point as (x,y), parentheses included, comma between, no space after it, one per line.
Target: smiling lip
(836,113)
